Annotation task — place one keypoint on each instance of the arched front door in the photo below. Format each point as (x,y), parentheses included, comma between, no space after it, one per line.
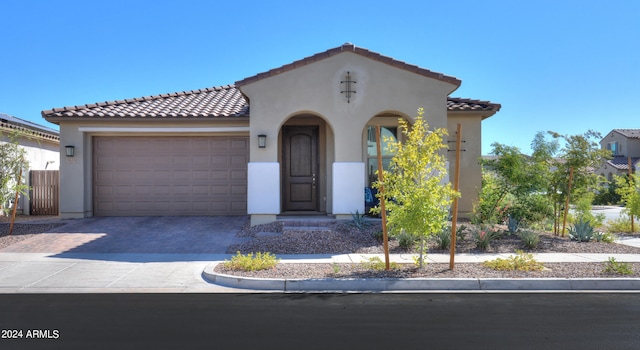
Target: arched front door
(300,167)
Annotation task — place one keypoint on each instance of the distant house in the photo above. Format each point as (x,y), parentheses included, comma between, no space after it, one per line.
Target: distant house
(42,146)
(623,144)
(297,139)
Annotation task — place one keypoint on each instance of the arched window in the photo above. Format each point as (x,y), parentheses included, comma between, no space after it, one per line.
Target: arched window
(372,154)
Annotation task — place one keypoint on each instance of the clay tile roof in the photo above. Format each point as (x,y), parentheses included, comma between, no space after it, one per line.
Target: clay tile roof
(218,102)
(348,47)
(629,133)
(465,104)
(622,162)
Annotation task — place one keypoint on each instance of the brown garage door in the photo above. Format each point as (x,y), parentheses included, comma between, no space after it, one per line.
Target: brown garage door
(180,175)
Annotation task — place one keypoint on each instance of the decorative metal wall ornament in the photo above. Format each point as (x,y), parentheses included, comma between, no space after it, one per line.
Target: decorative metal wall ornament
(348,87)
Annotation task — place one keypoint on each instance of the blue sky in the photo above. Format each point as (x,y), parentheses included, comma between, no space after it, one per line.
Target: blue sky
(560,65)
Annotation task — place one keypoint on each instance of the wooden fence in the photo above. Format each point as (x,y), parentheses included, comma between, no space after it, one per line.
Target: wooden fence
(45,192)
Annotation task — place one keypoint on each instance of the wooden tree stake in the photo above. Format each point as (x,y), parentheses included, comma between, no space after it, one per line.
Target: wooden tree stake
(383,211)
(631,180)
(566,205)
(456,182)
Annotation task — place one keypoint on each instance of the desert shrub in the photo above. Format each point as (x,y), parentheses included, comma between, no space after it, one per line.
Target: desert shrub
(252,262)
(376,264)
(378,235)
(461,232)
(443,238)
(582,231)
(483,237)
(529,238)
(531,208)
(582,211)
(512,224)
(621,224)
(616,267)
(519,262)
(358,220)
(406,240)
(605,237)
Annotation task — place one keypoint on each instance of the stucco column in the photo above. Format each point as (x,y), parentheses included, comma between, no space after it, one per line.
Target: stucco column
(263,191)
(72,174)
(348,188)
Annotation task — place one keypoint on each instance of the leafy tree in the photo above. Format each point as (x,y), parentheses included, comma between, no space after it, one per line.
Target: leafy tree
(513,183)
(417,200)
(628,187)
(12,163)
(580,154)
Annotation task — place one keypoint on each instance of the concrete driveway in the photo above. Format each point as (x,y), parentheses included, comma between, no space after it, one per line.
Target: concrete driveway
(137,235)
(120,254)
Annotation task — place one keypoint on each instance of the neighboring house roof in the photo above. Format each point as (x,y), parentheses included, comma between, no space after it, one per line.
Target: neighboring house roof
(628,133)
(622,162)
(10,122)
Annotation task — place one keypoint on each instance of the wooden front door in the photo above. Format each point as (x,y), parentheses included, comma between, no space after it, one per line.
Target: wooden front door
(300,168)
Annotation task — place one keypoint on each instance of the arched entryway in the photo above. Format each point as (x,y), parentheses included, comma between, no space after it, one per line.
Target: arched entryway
(306,150)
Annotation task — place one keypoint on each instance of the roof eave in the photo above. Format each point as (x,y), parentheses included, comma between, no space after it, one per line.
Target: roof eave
(348,47)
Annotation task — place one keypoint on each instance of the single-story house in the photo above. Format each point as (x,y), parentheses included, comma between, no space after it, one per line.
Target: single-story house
(294,139)
(40,143)
(624,145)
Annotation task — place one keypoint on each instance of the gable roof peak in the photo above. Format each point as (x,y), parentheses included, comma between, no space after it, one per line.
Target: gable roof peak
(349,47)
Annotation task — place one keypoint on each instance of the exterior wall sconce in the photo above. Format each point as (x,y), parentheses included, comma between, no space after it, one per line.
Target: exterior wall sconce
(70,150)
(262,141)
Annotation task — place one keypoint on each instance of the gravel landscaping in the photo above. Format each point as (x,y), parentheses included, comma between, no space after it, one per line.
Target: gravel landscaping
(25,227)
(344,238)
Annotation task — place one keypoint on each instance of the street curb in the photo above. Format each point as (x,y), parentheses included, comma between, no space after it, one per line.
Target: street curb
(417,284)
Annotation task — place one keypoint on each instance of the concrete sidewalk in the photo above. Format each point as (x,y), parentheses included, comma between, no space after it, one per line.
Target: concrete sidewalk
(437,284)
(193,273)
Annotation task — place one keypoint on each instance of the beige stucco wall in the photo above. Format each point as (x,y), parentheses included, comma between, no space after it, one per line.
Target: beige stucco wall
(76,195)
(628,147)
(315,89)
(470,170)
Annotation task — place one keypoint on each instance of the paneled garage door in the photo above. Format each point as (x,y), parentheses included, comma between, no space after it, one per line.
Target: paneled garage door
(180,175)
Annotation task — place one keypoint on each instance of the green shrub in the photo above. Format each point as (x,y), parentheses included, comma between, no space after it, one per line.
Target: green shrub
(443,238)
(406,240)
(376,264)
(605,237)
(483,237)
(622,224)
(582,212)
(378,235)
(519,262)
(620,268)
(252,262)
(529,238)
(461,232)
(582,231)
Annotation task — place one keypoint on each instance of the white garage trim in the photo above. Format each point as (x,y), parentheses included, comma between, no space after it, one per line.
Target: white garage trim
(163,130)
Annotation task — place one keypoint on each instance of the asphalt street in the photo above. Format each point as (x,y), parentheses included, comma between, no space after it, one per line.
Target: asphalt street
(324,321)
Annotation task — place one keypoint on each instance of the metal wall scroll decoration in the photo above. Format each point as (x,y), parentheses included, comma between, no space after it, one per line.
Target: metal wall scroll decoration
(348,87)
